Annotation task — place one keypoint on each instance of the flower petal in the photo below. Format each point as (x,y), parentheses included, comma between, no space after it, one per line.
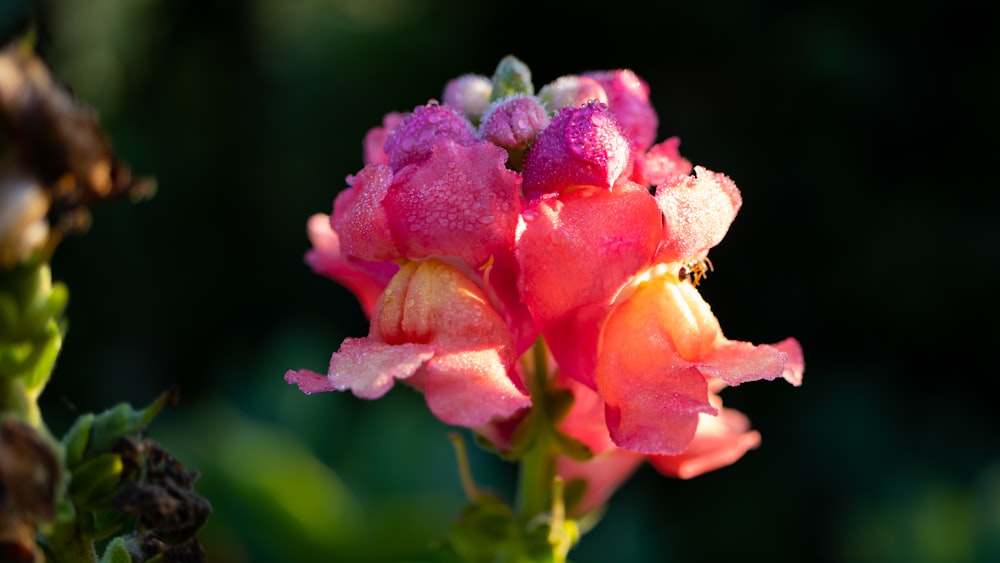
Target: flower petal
(461,201)
(719,441)
(628,98)
(582,146)
(609,467)
(470,380)
(795,363)
(698,211)
(417,133)
(366,280)
(309,382)
(661,163)
(576,253)
(374,142)
(653,395)
(360,219)
(370,368)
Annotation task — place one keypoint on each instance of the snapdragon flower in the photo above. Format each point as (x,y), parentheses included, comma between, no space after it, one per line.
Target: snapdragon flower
(502,221)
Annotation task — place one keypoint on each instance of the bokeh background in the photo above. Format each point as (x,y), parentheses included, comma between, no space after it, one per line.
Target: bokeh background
(863,135)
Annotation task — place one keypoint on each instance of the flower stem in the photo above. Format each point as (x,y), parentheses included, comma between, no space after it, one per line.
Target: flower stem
(540,494)
(535,482)
(537,467)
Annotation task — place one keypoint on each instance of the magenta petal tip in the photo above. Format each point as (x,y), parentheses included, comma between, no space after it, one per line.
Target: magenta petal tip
(309,382)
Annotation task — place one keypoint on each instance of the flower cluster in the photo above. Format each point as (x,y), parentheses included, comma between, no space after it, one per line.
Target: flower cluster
(500,218)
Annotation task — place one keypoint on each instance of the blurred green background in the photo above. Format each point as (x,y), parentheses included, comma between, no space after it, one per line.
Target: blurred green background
(862,134)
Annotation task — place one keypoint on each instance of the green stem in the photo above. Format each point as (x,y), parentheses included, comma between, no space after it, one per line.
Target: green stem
(537,471)
(14,399)
(537,465)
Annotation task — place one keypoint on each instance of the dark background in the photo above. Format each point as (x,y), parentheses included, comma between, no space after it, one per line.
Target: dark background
(862,134)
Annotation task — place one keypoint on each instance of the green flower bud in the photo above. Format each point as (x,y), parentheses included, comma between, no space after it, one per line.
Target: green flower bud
(511,77)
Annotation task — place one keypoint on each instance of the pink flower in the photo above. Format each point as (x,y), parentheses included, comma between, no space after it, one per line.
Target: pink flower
(465,243)
(660,351)
(434,328)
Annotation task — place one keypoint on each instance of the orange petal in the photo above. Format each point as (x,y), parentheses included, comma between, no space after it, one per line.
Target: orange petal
(653,395)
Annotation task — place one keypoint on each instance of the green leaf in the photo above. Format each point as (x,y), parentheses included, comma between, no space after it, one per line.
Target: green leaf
(95,479)
(558,402)
(571,447)
(45,359)
(122,420)
(76,438)
(116,552)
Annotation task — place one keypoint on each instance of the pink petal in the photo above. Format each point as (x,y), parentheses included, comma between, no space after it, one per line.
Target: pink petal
(653,396)
(309,382)
(458,399)
(470,380)
(695,334)
(412,140)
(738,362)
(585,419)
(374,143)
(576,253)
(628,98)
(582,146)
(660,164)
(720,441)
(795,363)
(366,280)
(361,220)
(610,466)
(500,281)
(698,211)
(462,201)
(604,474)
(370,368)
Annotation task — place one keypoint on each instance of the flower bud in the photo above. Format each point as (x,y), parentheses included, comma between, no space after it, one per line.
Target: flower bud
(412,139)
(513,123)
(571,91)
(581,147)
(23,227)
(628,98)
(511,77)
(468,94)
